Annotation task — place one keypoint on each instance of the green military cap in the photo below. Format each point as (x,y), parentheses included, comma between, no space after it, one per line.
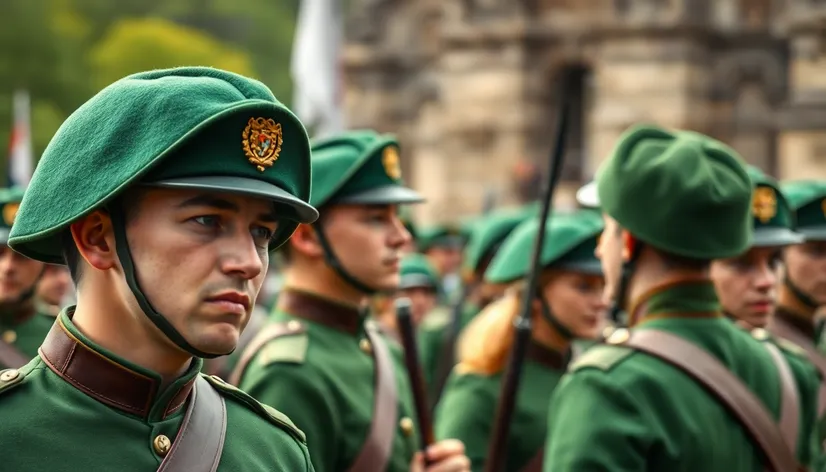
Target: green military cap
(188,128)
(773,219)
(808,200)
(587,195)
(570,241)
(417,272)
(488,234)
(440,235)
(10,199)
(360,167)
(679,191)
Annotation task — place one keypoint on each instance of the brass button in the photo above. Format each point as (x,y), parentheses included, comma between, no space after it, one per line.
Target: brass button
(9,375)
(365,346)
(406,424)
(161,444)
(619,336)
(608,331)
(9,336)
(293,325)
(760,334)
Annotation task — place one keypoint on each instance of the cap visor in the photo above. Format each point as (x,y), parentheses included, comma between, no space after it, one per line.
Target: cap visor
(416,281)
(4,236)
(814,234)
(304,213)
(585,267)
(390,195)
(587,195)
(771,237)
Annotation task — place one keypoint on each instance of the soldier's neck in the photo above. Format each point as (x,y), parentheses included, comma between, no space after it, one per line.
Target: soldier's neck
(652,275)
(793,305)
(112,325)
(323,282)
(547,336)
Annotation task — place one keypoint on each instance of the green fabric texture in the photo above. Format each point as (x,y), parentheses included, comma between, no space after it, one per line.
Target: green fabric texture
(440,235)
(431,336)
(772,217)
(679,191)
(489,233)
(359,167)
(464,413)
(330,394)
(648,415)
(44,406)
(570,240)
(416,271)
(10,199)
(28,334)
(190,127)
(808,200)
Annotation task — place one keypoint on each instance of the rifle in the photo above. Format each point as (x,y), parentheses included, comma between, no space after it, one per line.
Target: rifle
(523,324)
(407,333)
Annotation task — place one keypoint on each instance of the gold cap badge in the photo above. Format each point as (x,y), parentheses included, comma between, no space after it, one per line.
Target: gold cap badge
(390,160)
(764,204)
(10,212)
(262,142)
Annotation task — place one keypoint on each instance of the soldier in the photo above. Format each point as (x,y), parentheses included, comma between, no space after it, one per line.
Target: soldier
(443,244)
(173,186)
(569,307)
(54,290)
(321,361)
(418,283)
(673,202)
(23,323)
(747,283)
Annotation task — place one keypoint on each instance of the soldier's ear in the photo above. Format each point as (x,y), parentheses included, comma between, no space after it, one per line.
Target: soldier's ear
(305,242)
(629,246)
(95,240)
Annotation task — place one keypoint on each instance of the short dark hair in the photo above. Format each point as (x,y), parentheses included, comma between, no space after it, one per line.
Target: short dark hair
(71,256)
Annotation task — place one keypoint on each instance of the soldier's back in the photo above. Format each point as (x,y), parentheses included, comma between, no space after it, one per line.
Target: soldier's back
(647,415)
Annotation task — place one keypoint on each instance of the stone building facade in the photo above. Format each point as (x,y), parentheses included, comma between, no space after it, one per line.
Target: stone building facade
(470,86)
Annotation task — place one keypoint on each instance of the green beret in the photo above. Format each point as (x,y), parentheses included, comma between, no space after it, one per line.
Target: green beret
(10,199)
(488,234)
(360,167)
(188,128)
(680,192)
(440,235)
(417,272)
(773,219)
(808,200)
(570,241)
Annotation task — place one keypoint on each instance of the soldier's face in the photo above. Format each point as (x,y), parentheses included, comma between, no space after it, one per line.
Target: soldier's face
(610,251)
(18,274)
(368,240)
(54,284)
(747,285)
(806,268)
(576,300)
(422,301)
(201,259)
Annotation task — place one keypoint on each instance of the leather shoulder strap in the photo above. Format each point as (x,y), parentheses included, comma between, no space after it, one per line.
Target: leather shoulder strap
(11,357)
(200,441)
(375,454)
(789,397)
(267,334)
(782,329)
(724,385)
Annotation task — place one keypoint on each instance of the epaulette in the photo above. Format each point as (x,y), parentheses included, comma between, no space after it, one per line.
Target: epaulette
(288,347)
(269,413)
(602,357)
(10,378)
(436,319)
(763,335)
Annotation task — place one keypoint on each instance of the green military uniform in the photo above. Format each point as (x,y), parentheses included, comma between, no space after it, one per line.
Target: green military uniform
(323,370)
(188,128)
(464,412)
(483,240)
(618,409)
(415,272)
(23,322)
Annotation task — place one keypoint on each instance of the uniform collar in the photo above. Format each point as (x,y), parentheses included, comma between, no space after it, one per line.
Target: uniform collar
(317,309)
(547,356)
(677,299)
(110,379)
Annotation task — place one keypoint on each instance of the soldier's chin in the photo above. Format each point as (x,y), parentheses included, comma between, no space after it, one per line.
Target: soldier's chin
(223,342)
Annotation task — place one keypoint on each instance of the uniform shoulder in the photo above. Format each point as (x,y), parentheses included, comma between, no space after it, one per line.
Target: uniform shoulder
(282,342)
(601,356)
(436,319)
(266,412)
(11,378)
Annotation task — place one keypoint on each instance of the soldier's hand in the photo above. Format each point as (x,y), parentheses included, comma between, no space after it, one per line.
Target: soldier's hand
(443,456)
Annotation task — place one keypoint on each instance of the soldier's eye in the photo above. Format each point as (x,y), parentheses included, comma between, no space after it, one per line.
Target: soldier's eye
(209,221)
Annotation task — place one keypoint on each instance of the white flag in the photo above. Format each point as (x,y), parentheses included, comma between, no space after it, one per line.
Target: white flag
(316,68)
(19,169)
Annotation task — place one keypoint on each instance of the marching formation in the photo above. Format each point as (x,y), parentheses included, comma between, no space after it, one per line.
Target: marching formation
(670,323)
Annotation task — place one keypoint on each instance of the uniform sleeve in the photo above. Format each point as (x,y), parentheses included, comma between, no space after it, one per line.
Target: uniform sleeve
(466,413)
(595,426)
(299,392)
